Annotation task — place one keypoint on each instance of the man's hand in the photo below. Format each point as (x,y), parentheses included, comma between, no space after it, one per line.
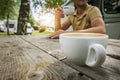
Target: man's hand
(59,12)
(56,34)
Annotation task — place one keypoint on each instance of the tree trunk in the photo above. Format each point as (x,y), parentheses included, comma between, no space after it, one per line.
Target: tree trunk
(7,23)
(23,17)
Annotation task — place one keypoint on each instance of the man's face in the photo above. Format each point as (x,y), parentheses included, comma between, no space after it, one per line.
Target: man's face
(80,2)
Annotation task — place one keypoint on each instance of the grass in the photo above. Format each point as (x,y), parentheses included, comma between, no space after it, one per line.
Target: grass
(5,33)
(36,32)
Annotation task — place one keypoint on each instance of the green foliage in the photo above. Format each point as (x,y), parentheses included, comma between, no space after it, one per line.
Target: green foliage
(36,3)
(42,28)
(9,6)
(31,20)
(53,3)
(49,3)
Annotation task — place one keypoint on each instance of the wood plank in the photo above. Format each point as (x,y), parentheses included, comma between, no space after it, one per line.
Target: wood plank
(13,66)
(110,70)
(113,49)
(105,72)
(51,46)
(20,60)
(42,41)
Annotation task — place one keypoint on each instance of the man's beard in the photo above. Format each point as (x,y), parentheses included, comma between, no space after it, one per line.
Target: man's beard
(80,5)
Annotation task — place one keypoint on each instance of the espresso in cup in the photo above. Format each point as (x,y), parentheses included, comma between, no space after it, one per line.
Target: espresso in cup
(84,48)
(85,35)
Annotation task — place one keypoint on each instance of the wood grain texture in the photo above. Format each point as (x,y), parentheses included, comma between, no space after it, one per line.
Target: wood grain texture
(21,60)
(113,49)
(110,70)
(13,66)
(51,46)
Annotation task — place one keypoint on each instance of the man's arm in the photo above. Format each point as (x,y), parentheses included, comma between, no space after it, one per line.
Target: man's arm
(98,26)
(65,25)
(97,23)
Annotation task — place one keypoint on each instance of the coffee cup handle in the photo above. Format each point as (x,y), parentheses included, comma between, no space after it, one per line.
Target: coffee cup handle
(96,55)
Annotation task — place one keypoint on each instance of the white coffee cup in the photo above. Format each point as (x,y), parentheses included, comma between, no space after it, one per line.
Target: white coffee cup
(84,48)
(67,10)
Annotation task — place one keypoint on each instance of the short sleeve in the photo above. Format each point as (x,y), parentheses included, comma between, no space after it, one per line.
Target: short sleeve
(70,19)
(95,12)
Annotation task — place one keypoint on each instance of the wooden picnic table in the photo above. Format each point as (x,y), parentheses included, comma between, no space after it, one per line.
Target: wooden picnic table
(34,57)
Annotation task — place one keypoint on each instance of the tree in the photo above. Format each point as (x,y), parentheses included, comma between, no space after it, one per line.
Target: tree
(31,20)
(11,6)
(23,17)
(53,3)
(8,10)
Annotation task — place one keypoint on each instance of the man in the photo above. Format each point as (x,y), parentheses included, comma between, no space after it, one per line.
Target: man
(86,18)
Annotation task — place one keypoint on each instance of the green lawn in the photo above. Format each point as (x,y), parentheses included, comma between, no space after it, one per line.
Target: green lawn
(37,32)
(5,33)
(33,33)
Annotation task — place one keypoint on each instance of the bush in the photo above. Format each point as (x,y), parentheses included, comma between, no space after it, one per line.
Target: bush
(42,28)
(36,27)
